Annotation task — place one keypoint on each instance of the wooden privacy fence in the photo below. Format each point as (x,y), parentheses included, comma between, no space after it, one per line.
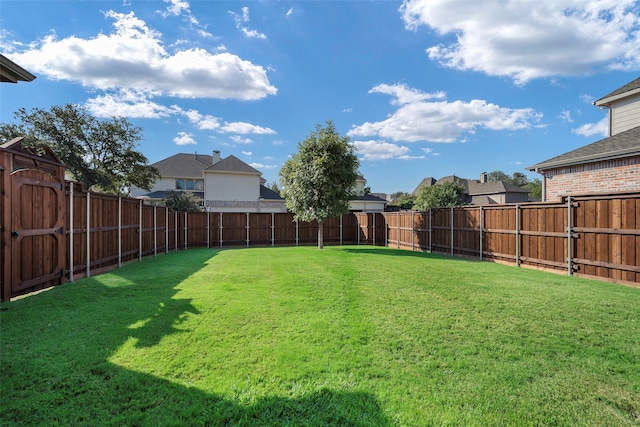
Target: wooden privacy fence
(594,236)
(93,233)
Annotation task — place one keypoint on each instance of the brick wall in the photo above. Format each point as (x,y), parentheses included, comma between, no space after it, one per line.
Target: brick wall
(620,175)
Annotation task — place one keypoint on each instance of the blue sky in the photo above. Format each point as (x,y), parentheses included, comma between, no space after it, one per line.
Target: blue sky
(422,88)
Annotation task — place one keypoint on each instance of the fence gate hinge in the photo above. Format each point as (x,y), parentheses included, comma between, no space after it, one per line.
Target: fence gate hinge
(60,230)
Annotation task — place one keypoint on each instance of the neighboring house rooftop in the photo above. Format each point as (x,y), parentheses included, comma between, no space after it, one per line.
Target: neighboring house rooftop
(268,194)
(476,188)
(10,72)
(629,89)
(183,165)
(232,164)
(623,144)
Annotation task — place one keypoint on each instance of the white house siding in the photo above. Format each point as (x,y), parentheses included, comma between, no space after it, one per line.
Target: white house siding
(625,115)
(366,206)
(231,187)
(161,184)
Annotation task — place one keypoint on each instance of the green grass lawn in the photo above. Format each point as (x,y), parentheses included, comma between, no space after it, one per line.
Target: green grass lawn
(359,336)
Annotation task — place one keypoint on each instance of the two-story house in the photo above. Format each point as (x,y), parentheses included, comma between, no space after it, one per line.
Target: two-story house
(221,185)
(230,185)
(607,166)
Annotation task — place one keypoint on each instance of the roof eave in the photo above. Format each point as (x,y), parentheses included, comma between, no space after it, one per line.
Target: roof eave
(12,72)
(584,159)
(607,101)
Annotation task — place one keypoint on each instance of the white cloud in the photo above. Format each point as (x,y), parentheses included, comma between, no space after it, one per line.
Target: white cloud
(525,40)
(242,19)
(289,12)
(180,7)
(262,166)
(202,122)
(245,128)
(566,116)
(380,150)
(133,57)
(590,129)
(441,121)
(184,138)
(240,140)
(247,153)
(127,103)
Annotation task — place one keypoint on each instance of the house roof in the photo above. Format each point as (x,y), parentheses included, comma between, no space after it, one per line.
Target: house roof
(476,188)
(10,72)
(183,165)
(268,194)
(370,198)
(427,182)
(232,164)
(629,89)
(623,144)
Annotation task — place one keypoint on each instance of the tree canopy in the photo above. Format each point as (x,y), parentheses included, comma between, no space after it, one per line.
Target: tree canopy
(101,154)
(318,181)
(182,201)
(520,180)
(439,196)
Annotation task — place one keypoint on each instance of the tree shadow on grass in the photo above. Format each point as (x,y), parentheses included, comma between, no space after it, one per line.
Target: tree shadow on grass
(55,349)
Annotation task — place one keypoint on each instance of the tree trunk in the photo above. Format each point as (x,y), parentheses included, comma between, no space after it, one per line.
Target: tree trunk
(320,234)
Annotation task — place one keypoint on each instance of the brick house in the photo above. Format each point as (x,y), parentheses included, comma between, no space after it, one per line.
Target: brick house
(607,166)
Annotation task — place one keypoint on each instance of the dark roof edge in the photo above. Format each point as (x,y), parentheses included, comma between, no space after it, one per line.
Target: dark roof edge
(584,159)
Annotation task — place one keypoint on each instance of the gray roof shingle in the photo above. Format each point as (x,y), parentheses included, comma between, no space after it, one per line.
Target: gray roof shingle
(631,86)
(183,165)
(623,144)
(232,164)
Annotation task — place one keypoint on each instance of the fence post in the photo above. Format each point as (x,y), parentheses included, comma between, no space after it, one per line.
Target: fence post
(358,229)
(71,231)
(296,232)
(175,237)
(569,236)
(517,235)
(451,230)
(88,271)
(247,229)
(481,226)
(208,231)
(155,231)
(186,230)
(220,217)
(119,232)
(398,229)
(273,229)
(140,231)
(166,230)
(413,232)
(430,232)
(374,229)
(341,215)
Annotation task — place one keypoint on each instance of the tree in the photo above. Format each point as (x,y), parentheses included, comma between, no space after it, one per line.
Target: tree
(182,201)
(318,181)
(274,187)
(402,200)
(439,196)
(101,155)
(497,176)
(535,188)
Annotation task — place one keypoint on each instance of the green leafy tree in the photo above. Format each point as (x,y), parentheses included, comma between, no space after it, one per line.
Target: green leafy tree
(274,187)
(535,188)
(439,196)
(182,201)
(101,154)
(318,181)
(497,176)
(519,179)
(402,200)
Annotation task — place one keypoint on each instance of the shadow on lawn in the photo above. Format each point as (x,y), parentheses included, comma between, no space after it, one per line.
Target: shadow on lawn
(390,251)
(56,347)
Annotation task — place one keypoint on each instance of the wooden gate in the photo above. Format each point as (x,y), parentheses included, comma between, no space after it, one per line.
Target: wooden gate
(33,220)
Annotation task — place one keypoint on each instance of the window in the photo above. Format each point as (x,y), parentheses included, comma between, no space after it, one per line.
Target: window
(199,184)
(190,185)
(179,184)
